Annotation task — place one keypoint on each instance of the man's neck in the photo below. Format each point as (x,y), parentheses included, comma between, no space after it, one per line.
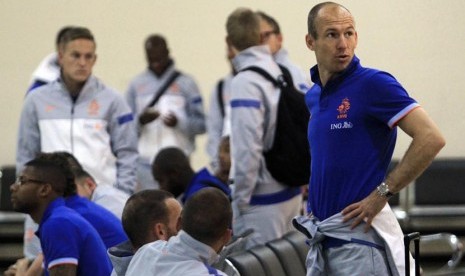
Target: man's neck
(168,65)
(38,213)
(73,87)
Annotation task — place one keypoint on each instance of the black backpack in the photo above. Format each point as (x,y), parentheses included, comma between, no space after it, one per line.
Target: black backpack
(288,160)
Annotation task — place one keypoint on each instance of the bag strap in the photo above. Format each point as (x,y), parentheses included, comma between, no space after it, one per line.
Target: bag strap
(219,91)
(263,73)
(163,88)
(282,81)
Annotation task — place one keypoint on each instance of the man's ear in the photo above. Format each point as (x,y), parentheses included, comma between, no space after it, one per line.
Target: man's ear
(160,232)
(229,44)
(310,41)
(227,236)
(60,56)
(45,190)
(89,182)
(279,37)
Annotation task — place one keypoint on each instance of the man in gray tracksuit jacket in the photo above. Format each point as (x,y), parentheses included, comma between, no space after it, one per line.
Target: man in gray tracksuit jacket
(93,123)
(97,128)
(78,114)
(259,201)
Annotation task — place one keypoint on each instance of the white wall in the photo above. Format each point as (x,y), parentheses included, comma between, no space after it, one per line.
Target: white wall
(421,42)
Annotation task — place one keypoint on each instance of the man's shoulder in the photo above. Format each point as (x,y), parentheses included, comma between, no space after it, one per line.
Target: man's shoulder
(63,217)
(143,76)
(372,76)
(45,90)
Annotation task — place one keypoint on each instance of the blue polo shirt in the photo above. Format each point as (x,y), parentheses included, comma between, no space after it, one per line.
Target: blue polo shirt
(108,226)
(352,134)
(67,238)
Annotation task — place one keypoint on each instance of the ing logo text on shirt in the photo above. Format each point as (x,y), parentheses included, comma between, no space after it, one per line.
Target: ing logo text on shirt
(342,125)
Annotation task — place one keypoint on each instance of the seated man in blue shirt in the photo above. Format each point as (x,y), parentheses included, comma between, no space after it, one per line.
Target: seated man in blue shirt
(71,246)
(172,170)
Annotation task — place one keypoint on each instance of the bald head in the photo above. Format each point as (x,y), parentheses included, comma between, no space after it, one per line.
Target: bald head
(315,14)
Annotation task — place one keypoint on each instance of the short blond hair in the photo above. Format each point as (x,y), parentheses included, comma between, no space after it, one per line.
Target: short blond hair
(243,28)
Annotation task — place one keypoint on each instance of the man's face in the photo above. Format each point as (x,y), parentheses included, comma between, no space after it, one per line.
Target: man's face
(174,222)
(157,59)
(270,37)
(25,191)
(168,181)
(76,59)
(337,39)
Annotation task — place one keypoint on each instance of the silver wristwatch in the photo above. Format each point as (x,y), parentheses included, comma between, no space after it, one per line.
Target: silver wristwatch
(383,190)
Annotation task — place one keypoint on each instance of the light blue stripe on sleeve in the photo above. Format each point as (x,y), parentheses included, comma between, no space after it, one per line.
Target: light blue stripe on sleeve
(63,261)
(402,114)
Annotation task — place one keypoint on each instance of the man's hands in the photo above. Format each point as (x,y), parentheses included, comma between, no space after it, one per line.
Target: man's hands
(149,115)
(19,268)
(367,209)
(170,120)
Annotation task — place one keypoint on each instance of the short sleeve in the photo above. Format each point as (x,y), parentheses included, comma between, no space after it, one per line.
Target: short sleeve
(388,101)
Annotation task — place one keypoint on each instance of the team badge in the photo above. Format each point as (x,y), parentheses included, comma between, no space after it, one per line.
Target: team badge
(93,108)
(343,108)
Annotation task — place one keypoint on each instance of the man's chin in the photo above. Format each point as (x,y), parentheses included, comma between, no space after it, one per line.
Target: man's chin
(81,78)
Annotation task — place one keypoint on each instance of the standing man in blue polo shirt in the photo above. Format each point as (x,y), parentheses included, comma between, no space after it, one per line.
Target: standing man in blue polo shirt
(355,112)
(71,246)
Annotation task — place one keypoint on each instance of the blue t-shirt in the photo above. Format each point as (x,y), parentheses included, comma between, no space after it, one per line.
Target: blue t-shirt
(67,238)
(203,179)
(352,134)
(108,226)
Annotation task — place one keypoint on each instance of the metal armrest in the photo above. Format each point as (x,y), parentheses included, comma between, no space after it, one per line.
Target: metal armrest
(452,241)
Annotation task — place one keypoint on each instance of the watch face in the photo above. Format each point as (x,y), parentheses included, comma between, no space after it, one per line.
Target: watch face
(383,189)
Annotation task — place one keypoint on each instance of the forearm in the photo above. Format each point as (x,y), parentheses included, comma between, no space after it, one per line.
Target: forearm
(425,146)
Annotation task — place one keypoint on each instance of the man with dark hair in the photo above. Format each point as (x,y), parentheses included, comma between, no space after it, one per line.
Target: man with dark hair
(174,119)
(71,245)
(148,216)
(77,113)
(173,172)
(206,221)
(108,226)
(106,196)
(352,135)
(49,69)
(259,201)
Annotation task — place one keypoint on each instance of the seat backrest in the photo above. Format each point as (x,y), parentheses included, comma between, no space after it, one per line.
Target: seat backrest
(442,183)
(288,256)
(246,264)
(7,177)
(298,240)
(268,259)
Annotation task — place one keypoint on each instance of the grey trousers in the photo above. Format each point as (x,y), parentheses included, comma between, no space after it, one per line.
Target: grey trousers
(356,259)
